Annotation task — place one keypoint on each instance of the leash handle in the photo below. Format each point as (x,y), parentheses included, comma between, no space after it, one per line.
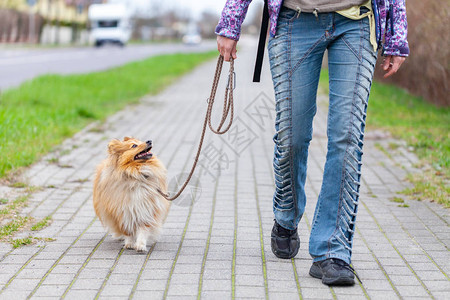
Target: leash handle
(228,110)
(228,101)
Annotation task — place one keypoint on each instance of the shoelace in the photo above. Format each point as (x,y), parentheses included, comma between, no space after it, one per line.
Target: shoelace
(346,266)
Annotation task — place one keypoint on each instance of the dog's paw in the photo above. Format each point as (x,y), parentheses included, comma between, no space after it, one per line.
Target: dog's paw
(128,246)
(128,243)
(140,247)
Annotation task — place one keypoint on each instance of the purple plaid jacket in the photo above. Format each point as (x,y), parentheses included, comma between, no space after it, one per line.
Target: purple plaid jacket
(392,25)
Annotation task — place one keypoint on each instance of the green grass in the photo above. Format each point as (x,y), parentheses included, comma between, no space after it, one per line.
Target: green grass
(13,207)
(18,184)
(429,186)
(397,200)
(43,112)
(12,224)
(41,224)
(425,128)
(422,125)
(16,243)
(22,242)
(10,228)
(19,224)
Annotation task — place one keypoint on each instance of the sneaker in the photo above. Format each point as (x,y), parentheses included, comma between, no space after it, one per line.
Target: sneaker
(285,243)
(333,271)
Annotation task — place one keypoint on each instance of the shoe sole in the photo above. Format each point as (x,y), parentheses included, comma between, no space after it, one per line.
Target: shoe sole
(340,281)
(315,272)
(283,255)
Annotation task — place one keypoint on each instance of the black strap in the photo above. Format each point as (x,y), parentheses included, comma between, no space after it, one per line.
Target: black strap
(261,43)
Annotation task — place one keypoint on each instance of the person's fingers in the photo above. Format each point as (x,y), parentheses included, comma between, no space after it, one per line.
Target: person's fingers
(220,45)
(228,51)
(394,66)
(233,53)
(389,73)
(387,62)
(399,60)
(226,56)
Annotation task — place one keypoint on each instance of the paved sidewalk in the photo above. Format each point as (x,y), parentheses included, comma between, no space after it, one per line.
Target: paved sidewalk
(219,247)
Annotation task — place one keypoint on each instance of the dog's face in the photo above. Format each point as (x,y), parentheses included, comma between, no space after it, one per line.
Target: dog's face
(130,151)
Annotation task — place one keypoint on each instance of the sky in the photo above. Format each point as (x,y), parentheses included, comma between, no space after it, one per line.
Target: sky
(195,6)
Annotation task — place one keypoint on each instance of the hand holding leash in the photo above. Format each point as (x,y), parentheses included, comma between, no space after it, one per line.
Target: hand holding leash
(227,47)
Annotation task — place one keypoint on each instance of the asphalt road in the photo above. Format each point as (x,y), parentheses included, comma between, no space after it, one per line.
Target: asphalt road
(20,64)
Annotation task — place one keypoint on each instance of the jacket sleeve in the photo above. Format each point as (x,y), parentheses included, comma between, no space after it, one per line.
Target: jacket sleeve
(233,16)
(396,43)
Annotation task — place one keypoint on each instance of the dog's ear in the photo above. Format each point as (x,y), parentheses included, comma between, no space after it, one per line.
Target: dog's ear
(126,138)
(113,146)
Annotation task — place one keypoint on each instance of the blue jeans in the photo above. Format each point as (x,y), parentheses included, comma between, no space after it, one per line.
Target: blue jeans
(296,53)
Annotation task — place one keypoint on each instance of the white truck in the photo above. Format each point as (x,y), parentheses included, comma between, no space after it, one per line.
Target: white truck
(109,23)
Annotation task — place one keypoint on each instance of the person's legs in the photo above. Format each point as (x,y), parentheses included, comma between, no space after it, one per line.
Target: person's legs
(351,62)
(296,54)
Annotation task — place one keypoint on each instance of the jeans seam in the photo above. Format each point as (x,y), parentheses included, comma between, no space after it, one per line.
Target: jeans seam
(359,56)
(344,162)
(297,65)
(291,164)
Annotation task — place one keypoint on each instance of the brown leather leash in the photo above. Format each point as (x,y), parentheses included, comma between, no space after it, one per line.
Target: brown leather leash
(228,109)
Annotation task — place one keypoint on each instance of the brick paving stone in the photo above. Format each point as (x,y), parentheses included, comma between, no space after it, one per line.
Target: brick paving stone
(282,284)
(23,284)
(441,295)
(390,240)
(80,294)
(59,279)
(216,285)
(50,291)
(155,274)
(151,295)
(93,273)
(310,293)
(254,292)
(152,285)
(388,295)
(14,294)
(412,291)
(216,295)
(114,289)
(283,296)
(87,284)
(182,289)
(377,285)
(430,275)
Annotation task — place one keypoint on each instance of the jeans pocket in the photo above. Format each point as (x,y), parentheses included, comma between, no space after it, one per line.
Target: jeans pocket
(287,15)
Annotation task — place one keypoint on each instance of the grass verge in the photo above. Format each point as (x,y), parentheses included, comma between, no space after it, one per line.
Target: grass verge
(423,126)
(43,112)
(13,223)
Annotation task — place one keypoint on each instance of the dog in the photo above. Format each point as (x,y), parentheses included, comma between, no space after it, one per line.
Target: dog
(126,196)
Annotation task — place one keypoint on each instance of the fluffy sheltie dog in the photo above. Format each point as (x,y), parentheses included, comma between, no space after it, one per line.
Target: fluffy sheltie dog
(126,197)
